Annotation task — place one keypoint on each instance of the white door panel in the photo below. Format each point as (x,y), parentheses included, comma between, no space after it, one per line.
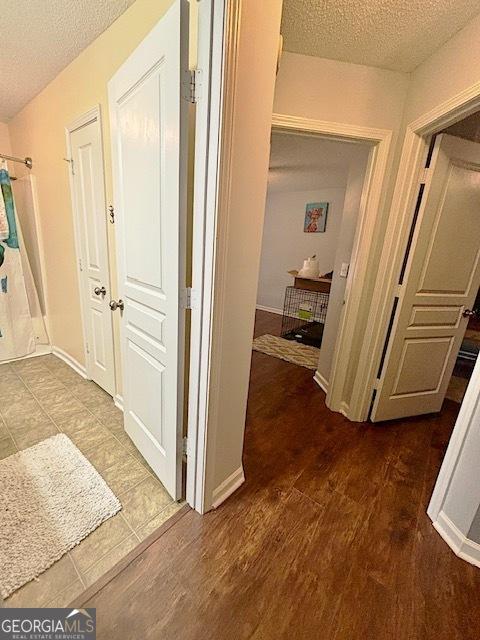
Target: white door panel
(148,120)
(89,197)
(441,281)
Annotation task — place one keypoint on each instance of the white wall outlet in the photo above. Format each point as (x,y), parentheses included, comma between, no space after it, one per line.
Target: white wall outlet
(344,269)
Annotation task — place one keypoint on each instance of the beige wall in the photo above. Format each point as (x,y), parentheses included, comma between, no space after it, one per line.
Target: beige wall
(5,146)
(241,222)
(285,245)
(353,94)
(39,131)
(451,69)
(343,254)
(340,92)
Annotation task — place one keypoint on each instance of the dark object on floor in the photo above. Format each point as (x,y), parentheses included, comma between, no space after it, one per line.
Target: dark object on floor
(310,333)
(304,314)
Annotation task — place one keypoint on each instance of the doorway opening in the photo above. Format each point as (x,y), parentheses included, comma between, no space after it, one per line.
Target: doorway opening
(315,186)
(466,129)
(432,341)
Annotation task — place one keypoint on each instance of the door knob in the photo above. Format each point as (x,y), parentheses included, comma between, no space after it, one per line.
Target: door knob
(114,305)
(99,291)
(469,313)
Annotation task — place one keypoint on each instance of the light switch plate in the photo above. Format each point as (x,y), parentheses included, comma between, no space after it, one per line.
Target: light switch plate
(344,269)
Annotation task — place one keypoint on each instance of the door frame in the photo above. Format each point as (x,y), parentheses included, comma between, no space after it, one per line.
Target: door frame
(219,26)
(217,42)
(409,175)
(369,216)
(410,171)
(92,115)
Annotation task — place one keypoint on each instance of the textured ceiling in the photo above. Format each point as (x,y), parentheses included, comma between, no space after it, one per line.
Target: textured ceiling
(468,128)
(393,34)
(303,163)
(40,37)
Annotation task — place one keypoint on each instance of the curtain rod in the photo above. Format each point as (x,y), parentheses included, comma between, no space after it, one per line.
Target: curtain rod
(26,161)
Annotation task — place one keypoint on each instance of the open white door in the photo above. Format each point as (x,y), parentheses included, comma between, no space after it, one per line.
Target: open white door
(88,192)
(439,287)
(149,134)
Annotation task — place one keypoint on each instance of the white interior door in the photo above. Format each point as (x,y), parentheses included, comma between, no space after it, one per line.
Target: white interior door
(89,202)
(441,282)
(149,128)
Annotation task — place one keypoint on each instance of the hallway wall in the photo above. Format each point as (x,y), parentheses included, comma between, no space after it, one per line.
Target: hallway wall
(352,94)
(5,146)
(285,244)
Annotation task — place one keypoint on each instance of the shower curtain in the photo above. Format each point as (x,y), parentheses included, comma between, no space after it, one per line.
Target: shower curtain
(17,336)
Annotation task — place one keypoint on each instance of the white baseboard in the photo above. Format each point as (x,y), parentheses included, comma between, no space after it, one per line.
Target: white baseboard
(66,357)
(456,540)
(321,381)
(118,400)
(228,486)
(279,312)
(344,409)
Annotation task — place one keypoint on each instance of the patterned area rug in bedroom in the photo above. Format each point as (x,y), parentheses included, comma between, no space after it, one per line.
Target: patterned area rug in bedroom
(289,350)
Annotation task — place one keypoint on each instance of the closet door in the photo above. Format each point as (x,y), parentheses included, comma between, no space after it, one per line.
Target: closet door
(89,196)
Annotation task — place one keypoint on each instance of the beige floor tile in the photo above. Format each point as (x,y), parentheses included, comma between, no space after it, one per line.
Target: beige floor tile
(144,501)
(31,436)
(16,394)
(67,597)
(60,411)
(109,415)
(76,422)
(3,429)
(151,526)
(50,583)
(92,396)
(37,377)
(20,408)
(117,430)
(7,447)
(56,397)
(95,546)
(107,454)
(89,438)
(42,389)
(126,442)
(68,376)
(124,476)
(109,560)
(32,420)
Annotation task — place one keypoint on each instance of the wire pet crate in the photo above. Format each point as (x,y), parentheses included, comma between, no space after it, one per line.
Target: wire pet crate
(304,314)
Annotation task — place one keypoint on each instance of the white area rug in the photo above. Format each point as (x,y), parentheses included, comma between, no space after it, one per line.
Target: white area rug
(51,497)
(289,350)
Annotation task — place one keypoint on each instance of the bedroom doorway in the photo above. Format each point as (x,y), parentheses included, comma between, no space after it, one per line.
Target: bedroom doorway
(313,207)
(433,339)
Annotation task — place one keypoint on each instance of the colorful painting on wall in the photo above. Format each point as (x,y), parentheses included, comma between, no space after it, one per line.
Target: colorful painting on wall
(316,217)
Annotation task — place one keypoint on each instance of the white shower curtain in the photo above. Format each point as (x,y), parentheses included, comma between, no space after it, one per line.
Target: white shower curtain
(17,336)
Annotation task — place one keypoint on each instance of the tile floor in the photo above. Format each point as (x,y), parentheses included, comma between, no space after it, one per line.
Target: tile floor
(42,396)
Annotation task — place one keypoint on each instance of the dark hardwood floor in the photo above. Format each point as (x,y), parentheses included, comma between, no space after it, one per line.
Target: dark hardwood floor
(328,538)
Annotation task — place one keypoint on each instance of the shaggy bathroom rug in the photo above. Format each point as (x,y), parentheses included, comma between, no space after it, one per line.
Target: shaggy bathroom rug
(51,497)
(288,350)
